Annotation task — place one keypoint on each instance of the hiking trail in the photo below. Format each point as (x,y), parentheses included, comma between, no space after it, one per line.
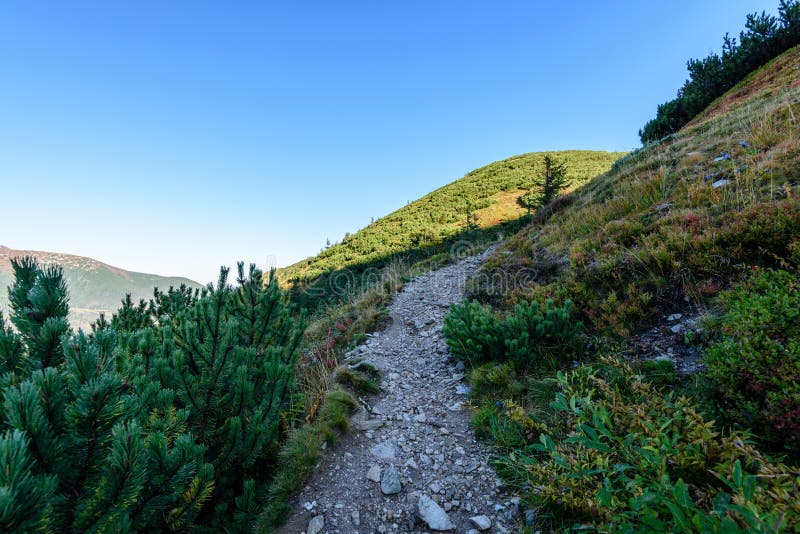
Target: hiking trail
(411,462)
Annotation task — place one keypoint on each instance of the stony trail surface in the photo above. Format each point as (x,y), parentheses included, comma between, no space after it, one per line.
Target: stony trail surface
(411,462)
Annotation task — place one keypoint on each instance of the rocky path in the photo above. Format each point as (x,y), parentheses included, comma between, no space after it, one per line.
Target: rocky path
(412,463)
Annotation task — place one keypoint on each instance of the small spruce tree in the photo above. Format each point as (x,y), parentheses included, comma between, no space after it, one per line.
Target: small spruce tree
(470,218)
(546,187)
(553,181)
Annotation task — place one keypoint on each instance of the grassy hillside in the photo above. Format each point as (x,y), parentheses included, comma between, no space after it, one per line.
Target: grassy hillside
(675,220)
(688,246)
(94,287)
(487,196)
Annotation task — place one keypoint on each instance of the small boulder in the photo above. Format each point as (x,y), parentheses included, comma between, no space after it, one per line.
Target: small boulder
(316,524)
(433,514)
(481,522)
(530,517)
(374,473)
(362,422)
(390,481)
(385,451)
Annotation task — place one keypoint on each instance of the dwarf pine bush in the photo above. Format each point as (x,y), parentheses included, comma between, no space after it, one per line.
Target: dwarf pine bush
(166,418)
(532,335)
(474,333)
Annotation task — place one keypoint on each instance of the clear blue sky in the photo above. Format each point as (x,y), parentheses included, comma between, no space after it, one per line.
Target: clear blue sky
(173,137)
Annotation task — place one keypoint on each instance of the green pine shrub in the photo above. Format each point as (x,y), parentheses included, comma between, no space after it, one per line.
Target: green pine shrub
(754,367)
(474,333)
(23,490)
(169,417)
(533,335)
(112,470)
(38,301)
(542,333)
(229,358)
(619,455)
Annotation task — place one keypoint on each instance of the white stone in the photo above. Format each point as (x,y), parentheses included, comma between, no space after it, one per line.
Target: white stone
(374,473)
(433,514)
(316,525)
(385,451)
(481,522)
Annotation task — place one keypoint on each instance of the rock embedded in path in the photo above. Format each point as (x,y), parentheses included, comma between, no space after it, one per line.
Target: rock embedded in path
(390,481)
(530,517)
(374,473)
(385,451)
(316,525)
(361,421)
(481,522)
(433,514)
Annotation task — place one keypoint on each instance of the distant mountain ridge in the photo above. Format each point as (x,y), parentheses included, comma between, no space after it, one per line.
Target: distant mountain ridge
(94,287)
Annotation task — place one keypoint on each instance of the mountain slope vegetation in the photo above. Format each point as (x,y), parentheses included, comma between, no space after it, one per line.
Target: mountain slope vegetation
(94,287)
(688,245)
(204,410)
(483,202)
(678,219)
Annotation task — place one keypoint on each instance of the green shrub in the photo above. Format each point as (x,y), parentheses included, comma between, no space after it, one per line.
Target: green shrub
(542,333)
(82,451)
(532,335)
(755,366)
(660,373)
(495,381)
(172,422)
(474,333)
(621,456)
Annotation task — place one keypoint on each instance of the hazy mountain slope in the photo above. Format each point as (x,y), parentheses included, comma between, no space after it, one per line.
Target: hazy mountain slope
(94,287)
(489,194)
